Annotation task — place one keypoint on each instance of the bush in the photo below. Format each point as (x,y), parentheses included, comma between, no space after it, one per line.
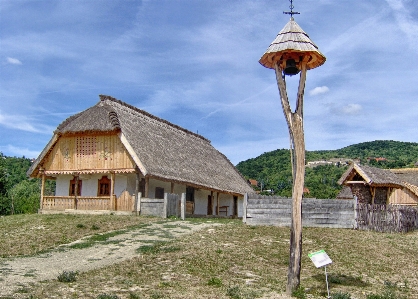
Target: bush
(215,281)
(299,293)
(388,294)
(107,296)
(341,295)
(67,276)
(25,197)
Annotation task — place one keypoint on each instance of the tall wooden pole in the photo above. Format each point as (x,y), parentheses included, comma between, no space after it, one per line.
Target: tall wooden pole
(295,124)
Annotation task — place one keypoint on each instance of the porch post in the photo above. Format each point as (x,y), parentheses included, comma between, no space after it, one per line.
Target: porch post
(146,186)
(217,203)
(211,202)
(76,178)
(183,206)
(42,189)
(136,192)
(113,205)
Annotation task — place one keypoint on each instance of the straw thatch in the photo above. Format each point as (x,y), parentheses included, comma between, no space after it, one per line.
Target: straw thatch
(371,176)
(160,149)
(409,177)
(345,193)
(291,42)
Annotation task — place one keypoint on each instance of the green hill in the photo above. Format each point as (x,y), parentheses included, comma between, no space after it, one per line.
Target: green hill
(273,169)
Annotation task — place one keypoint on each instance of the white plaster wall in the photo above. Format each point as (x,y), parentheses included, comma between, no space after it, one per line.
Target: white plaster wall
(90,184)
(62,187)
(240,206)
(156,183)
(131,181)
(201,201)
(127,182)
(121,184)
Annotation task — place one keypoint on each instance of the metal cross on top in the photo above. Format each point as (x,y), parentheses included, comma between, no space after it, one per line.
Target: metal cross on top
(291,12)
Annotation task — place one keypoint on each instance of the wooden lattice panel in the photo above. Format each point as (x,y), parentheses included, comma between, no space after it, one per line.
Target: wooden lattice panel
(94,152)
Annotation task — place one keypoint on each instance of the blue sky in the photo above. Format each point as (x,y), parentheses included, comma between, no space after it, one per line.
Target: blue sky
(195,64)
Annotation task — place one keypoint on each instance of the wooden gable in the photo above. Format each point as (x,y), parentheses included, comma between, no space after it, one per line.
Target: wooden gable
(88,154)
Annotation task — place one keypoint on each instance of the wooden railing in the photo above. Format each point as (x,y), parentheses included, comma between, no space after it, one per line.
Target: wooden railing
(124,203)
(76,203)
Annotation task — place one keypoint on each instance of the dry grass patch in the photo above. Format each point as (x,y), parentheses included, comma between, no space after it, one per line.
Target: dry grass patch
(242,262)
(32,234)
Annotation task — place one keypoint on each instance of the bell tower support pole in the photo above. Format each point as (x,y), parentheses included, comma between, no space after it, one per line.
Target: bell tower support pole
(295,124)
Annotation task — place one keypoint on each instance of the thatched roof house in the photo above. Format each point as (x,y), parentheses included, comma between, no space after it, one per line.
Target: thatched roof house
(147,145)
(381,186)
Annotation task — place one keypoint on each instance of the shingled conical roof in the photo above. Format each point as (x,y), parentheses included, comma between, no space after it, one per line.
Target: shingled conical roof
(292,40)
(159,148)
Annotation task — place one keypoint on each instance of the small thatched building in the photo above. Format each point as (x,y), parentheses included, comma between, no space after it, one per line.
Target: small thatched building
(373,185)
(110,155)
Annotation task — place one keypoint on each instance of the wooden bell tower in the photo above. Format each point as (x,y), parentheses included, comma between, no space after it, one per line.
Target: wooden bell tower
(292,52)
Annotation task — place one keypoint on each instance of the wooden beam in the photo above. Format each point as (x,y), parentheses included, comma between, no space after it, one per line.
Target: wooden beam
(76,178)
(112,190)
(146,186)
(356,182)
(42,190)
(137,180)
(295,125)
(373,192)
(217,203)
(211,202)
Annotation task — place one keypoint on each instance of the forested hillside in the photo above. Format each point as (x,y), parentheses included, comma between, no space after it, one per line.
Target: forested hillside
(18,194)
(273,169)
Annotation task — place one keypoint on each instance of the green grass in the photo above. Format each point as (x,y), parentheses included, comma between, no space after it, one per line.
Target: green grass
(23,235)
(238,261)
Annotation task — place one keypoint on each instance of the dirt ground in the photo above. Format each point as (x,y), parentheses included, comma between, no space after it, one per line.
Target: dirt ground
(25,271)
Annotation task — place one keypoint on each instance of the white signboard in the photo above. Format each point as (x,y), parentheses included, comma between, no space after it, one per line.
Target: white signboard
(320,258)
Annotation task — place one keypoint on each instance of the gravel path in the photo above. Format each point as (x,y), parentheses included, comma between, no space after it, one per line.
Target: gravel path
(17,273)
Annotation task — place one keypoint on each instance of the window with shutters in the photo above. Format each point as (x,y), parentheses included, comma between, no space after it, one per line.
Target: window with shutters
(103,188)
(73,187)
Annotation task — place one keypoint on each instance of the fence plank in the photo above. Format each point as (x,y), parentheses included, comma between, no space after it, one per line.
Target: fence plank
(386,218)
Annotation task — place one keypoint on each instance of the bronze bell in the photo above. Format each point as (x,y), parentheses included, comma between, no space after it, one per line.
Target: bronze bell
(291,68)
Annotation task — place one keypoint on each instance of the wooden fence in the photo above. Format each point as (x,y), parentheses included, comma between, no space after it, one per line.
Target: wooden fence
(161,207)
(386,218)
(276,210)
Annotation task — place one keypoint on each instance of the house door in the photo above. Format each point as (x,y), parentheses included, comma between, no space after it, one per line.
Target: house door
(189,200)
(210,205)
(235,210)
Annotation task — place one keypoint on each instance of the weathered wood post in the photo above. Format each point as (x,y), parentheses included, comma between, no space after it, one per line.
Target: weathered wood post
(290,53)
(42,172)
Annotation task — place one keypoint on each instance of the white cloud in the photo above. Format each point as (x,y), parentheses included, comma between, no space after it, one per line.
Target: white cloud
(11,60)
(319,90)
(351,109)
(10,150)
(405,21)
(19,122)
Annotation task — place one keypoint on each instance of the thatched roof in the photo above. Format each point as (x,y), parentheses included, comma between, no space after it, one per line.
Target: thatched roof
(292,39)
(371,176)
(409,176)
(345,193)
(159,148)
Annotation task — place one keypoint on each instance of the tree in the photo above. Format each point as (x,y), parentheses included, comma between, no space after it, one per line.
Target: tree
(24,197)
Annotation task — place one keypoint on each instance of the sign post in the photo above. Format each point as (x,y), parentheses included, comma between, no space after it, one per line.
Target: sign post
(321,259)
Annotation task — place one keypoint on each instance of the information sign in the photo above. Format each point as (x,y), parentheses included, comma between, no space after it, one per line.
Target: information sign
(320,258)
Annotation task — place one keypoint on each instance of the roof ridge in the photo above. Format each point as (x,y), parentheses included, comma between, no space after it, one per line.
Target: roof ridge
(112,99)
